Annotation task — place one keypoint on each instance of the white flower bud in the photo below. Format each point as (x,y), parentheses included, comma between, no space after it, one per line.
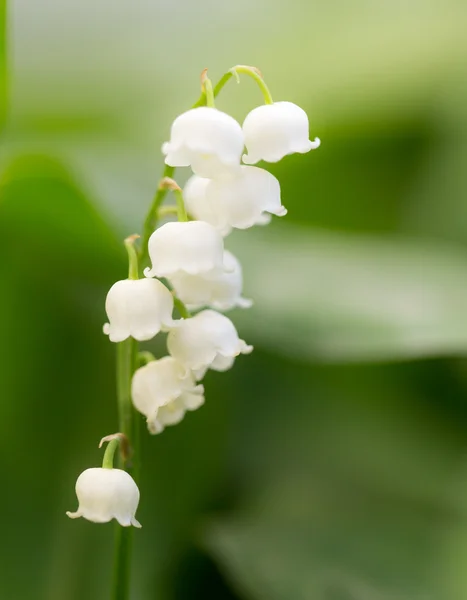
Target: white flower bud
(220,290)
(174,411)
(207,139)
(208,339)
(239,201)
(273,131)
(106,494)
(162,390)
(189,247)
(139,308)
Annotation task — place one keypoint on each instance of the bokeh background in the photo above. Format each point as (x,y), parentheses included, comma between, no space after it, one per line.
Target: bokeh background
(331,464)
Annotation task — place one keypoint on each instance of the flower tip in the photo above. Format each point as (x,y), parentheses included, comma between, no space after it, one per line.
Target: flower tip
(131,239)
(245,302)
(246,349)
(171,324)
(316,143)
(167,183)
(136,523)
(203,77)
(248,160)
(147,273)
(72,515)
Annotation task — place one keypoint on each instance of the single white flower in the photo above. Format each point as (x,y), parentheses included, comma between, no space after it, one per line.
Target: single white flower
(192,247)
(221,290)
(106,494)
(209,339)
(209,140)
(139,308)
(174,411)
(273,131)
(239,201)
(165,386)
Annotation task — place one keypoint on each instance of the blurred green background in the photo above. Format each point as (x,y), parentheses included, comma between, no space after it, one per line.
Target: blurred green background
(331,464)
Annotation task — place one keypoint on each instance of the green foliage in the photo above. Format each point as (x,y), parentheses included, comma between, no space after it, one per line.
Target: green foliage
(328,465)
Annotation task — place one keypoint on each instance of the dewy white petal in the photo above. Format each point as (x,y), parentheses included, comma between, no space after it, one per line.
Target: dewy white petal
(174,411)
(222,363)
(192,247)
(209,140)
(200,340)
(246,197)
(221,290)
(106,494)
(159,383)
(273,131)
(202,208)
(138,308)
(241,200)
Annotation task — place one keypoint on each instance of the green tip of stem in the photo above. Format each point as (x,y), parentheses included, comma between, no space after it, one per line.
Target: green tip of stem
(133,267)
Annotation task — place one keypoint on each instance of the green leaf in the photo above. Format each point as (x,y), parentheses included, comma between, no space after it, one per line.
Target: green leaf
(334,297)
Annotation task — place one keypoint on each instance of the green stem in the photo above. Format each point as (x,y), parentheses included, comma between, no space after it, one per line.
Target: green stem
(145,357)
(256,75)
(208,92)
(181,210)
(108,460)
(182,309)
(234,72)
(122,563)
(152,217)
(167,211)
(129,425)
(3,65)
(132,257)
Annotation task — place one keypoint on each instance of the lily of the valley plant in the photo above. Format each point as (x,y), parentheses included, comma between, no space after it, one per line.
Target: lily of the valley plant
(181,278)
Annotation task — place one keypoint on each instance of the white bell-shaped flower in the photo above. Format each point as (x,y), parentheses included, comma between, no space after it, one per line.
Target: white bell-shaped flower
(139,308)
(273,131)
(221,290)
(239,201)
(165,383)
(174,411)
(106,494)
(192,247)
(209,339)
(208,140)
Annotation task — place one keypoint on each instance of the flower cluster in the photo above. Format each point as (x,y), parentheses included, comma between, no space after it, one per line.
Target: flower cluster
(190,269)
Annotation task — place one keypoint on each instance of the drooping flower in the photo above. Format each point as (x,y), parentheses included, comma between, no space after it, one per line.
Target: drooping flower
(208,140)
(174,411)
(239,201)
(209,339)
(273,131)
(106,494)
(192,247)
(139,308)
(221,290)
(163,390)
